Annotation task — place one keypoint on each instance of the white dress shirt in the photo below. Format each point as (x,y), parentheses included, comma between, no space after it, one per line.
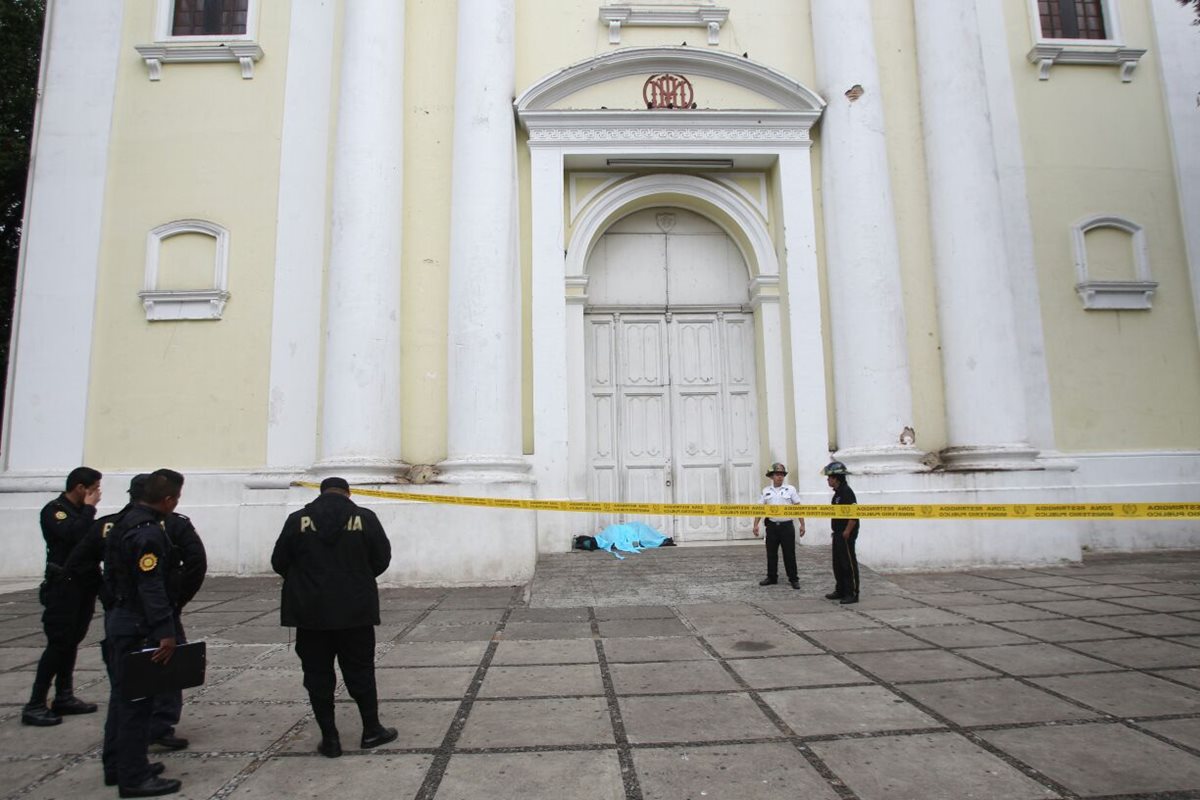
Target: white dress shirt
(785,495)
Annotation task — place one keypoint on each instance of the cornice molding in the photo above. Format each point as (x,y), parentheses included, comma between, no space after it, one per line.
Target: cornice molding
(155,55)
(1047,55)
(707,17)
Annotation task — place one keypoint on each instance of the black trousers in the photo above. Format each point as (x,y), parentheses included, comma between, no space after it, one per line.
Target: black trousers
(845,564)
(781,534)
(68,614)
(168,706)
(127,728)
(354,649)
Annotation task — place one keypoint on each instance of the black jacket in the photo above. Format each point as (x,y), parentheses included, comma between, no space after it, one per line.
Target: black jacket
(329,554)
(189,561)
(844,496)
(64,525)
(137,569)
(83,565)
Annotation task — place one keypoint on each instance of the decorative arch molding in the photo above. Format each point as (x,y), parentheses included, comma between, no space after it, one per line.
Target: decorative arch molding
(756,77)
(726,208)
(1134,295)
(175,304)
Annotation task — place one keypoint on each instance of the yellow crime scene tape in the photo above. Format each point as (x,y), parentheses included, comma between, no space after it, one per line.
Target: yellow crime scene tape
(894,511)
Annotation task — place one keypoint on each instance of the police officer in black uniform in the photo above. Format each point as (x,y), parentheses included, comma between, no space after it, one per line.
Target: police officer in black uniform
(69,604)
(137,566)
(189,563)
(845,534)
(330,553)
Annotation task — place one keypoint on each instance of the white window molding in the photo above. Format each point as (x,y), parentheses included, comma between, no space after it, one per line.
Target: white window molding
(1097,295)
(175,304)
(1048,51)
(166,48)
(707,17)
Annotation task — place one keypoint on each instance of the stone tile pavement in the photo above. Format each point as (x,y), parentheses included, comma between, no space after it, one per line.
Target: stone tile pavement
(672,675)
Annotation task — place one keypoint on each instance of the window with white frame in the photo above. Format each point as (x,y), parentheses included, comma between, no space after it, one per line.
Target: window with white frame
(1072,19)
(203,30)
(1112,265)
(1083,32)
(187,271)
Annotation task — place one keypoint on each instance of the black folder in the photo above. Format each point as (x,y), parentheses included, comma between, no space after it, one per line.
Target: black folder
(143,677)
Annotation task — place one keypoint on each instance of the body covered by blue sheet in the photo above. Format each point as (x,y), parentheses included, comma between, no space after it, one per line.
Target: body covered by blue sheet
(629,537)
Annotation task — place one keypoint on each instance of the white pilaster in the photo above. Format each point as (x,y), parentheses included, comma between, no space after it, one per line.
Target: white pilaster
(550,374)
(985,399)
(49,365)
(361,431)
(804,316)
(871,382)
(300,238)
(484,359)
(764,298)
(1179,64)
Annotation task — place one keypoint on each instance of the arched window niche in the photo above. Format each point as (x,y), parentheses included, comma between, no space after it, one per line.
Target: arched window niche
(187,271)
(1112,268)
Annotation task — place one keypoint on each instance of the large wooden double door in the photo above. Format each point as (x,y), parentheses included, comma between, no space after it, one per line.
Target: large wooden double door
(672,415)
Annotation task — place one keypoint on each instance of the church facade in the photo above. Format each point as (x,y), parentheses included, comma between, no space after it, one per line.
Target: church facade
(598,250)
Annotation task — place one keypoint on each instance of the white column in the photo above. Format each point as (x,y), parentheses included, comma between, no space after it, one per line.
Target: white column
(805,333)
(872,388)
(300,238)
(484,357)
(361,431)
(551,415)
(50,360)
(985,398)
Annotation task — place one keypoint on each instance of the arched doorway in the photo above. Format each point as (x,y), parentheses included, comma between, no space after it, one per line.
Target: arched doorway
(670,371)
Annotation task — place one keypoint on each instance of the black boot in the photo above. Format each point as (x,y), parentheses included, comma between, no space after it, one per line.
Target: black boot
(330,746)
(39,716)
(378,736)
(70,704)
(323,711)
(151,787)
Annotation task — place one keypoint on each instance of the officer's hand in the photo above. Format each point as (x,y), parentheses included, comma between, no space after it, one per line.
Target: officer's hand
(756,529)
(846,535)
(801,531)
(92,497)
(166,648)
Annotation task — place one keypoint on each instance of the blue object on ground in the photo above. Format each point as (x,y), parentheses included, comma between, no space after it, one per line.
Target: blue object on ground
(628,537)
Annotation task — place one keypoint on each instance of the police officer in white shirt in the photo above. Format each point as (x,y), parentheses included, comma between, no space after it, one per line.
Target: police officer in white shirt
(781,531)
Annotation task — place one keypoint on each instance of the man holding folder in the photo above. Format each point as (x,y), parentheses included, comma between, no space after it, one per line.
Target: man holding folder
(136,566)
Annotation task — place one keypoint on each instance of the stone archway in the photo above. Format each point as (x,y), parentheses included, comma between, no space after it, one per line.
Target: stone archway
(772,138)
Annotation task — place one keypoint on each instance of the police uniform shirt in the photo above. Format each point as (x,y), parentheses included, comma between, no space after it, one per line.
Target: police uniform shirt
(63,526)
(785,495)
(843,496)
(140,574)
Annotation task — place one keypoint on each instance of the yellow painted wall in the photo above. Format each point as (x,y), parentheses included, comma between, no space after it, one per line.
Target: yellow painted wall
(201,143)
(895,45)
(1120,380)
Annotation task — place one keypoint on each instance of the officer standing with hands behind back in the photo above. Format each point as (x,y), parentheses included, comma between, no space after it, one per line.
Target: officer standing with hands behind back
(329,553)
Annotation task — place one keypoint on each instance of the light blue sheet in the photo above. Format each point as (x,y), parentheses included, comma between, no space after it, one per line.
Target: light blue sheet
(628,537)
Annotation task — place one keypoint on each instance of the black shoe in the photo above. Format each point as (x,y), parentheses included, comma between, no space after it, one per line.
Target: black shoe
(795,584)
(151,787)
(171,742)
(768,582)
(40,716)
(380,735)
(156,768)
(849,599)
(834,596)
(330,746)
(70,704)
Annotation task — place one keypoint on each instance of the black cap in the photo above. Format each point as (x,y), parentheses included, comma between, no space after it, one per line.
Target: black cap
(136,484)
(335,483)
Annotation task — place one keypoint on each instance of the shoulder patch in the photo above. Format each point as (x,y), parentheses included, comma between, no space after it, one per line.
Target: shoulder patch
(148,562)
(60,515)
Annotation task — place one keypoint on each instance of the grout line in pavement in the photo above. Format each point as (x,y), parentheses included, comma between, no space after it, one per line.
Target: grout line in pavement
(629,776)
